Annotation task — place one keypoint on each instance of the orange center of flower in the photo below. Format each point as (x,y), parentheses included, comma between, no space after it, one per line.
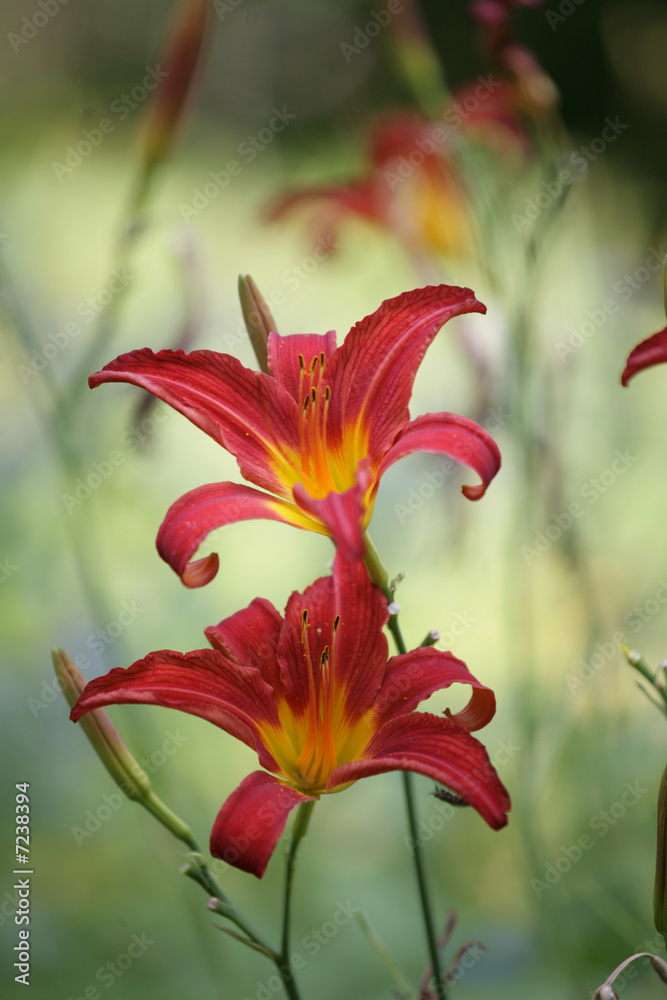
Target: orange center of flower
(309,744)
(322,465)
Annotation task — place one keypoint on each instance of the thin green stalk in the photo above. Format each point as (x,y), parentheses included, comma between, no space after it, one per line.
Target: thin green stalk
(429,926)
(380,577)
(199,872)
(299,831)
(654,677)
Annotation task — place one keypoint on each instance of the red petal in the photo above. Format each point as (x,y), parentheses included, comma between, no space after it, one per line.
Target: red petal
(290,360)
(250,638)
(341,514)
(245,411)
(458,438)
(440,750)
(652,351)
(344,515)
(318,601)
(357,649)
(366,198)
(414,676)
(202,683)
(252,819)
(190,519)
(360,649)
(373,372)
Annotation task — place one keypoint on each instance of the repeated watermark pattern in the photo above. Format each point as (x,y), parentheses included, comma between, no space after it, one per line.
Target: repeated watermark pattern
(417,496)
(624,289)
(86,311)
(248,150)
(363,34)
(110,972)
(101,470)
(566,8)
(579,161)
(312,943)
(97,642)
(291,280)
(109,804)
(120,108)
(600,824)
(591,491)
(606,650)
(443,812)
(43,14)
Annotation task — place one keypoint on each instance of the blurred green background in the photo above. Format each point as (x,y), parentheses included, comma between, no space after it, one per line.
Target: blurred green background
(572,730)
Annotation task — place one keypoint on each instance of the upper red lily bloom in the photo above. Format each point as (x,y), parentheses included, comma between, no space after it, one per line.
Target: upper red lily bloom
(317,699)
(317,432)
(652,351)
(412,187)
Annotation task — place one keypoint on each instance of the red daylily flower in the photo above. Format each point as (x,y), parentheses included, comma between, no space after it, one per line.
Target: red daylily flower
(317,432)
(652,351)
(412,187)
(316,697)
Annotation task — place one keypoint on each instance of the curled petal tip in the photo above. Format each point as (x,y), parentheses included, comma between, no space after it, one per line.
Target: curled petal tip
(652,351)
(473,492)
(201,571)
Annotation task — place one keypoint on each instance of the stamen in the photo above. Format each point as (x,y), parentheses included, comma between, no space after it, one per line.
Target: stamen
(336,624)
(302,363)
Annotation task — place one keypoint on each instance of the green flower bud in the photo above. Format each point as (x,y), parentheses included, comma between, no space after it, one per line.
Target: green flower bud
(258,319)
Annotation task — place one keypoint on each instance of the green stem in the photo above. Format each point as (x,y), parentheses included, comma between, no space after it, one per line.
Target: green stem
(299,831)
(380,577)
(637,661)
(198,871)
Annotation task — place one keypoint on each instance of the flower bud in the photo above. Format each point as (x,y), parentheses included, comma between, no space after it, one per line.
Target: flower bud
(109,747)
(258,319)
(103,735)
(180,59)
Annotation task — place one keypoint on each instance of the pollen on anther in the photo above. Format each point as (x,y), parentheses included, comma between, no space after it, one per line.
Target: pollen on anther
(336,623)
(302,363)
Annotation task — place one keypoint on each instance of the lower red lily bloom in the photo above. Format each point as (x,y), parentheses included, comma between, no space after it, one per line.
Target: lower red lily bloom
(317,432)
(316,697)
(652,351)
